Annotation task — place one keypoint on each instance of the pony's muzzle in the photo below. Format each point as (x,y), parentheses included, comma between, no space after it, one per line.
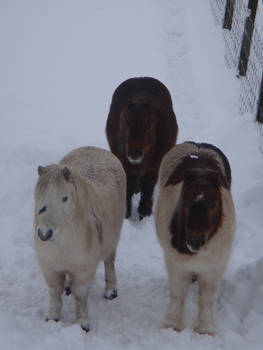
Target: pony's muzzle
(135,156)
(195,244)
(45,235)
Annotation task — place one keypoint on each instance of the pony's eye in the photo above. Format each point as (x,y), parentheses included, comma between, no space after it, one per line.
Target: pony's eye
(65,198)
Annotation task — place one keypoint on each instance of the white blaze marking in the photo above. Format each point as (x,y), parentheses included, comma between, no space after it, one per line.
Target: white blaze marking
(193,156)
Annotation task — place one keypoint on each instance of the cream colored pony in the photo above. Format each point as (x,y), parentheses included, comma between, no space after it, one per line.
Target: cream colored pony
(79,210)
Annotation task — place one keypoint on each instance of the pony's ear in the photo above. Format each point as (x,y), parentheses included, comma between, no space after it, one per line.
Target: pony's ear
(66,173)
(41,170)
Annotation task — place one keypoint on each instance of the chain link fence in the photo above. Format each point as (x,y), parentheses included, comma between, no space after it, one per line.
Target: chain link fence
(242,24)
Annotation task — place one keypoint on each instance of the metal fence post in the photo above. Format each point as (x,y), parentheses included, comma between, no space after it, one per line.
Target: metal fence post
(230,5)
(260,103)
(247,38)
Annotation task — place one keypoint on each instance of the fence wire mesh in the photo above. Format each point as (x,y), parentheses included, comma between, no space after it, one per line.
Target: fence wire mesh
(251,82)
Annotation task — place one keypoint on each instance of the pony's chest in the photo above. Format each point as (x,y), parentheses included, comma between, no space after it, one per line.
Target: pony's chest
(67,256)
(211,257)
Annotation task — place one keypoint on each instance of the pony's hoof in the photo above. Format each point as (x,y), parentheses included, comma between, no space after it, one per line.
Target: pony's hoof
(111,294)
(85,328)
(84,324)
(67,290)
(210,330)
(194,278)
(55,319)
(176,326)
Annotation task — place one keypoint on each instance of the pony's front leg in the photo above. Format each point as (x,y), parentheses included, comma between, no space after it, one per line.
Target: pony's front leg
(131,189)
(111,291)
(146,202)
(207,296)
(80,293)
(179,283)
(55,283)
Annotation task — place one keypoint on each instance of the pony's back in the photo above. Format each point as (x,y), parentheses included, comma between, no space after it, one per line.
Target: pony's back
(136,93)
(98,165)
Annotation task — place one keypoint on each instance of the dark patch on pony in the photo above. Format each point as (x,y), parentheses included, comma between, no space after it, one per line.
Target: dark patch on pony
(200,197)
(141,108)
(177,227)
(177,233)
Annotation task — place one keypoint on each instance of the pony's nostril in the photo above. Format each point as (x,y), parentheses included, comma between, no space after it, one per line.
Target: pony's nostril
(45,236)
(138,153)
(195,244)
(198,244)
(50,232)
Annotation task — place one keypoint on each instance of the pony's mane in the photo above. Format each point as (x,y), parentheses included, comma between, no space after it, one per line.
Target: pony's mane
(52,175)
(177,228)
(177,233)
(223,158)
(137,111)
(193,161)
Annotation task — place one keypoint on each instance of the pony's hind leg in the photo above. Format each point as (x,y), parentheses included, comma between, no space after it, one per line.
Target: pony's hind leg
(55,283)
(111,291)
(67,286)
(128,205)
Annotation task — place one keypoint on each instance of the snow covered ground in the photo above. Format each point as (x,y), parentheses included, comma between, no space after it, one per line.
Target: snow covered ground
(59,65)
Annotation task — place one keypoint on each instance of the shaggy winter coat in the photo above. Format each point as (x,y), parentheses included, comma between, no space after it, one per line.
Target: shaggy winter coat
(201,166)
(141,128)
(79,210)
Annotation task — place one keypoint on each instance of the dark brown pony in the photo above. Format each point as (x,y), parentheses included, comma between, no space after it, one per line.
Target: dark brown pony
(141,128)
(198,215)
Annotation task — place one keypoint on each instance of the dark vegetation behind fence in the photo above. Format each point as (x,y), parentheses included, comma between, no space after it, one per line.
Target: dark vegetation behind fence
(242,23)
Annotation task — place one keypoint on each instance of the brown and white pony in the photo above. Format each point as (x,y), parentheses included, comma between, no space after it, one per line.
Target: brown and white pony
(195,224)
(141,128)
